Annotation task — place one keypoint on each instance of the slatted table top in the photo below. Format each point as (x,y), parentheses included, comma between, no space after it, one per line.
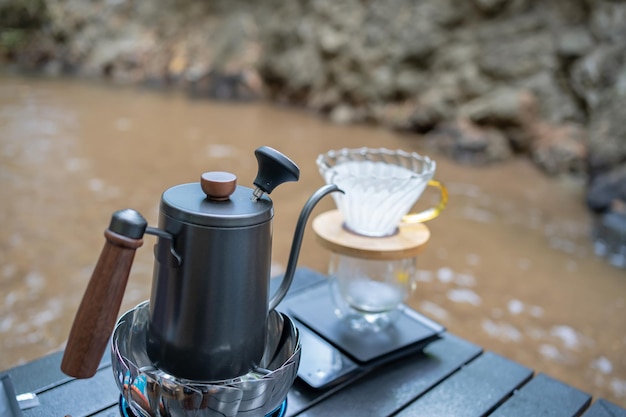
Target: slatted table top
(450,377)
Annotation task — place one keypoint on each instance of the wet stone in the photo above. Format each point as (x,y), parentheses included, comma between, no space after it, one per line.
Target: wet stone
(609,235)
(469,143)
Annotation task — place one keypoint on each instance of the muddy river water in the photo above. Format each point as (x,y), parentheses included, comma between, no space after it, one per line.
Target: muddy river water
(509,266)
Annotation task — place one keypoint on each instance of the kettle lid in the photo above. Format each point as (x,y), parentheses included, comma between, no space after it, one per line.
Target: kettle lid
(216,201)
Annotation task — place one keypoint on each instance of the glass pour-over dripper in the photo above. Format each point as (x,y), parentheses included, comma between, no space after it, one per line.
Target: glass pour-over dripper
(380,187)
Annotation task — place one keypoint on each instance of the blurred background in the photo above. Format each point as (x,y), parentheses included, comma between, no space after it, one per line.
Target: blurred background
(105,104)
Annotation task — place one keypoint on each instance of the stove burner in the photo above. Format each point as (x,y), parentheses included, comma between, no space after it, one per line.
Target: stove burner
(125,410)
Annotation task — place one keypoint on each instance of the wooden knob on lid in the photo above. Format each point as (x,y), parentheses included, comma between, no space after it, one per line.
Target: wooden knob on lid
(218,185)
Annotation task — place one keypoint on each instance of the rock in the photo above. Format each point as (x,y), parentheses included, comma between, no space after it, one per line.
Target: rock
(608,21)
(606,188)
(469,143)
(395,115)
(21,39)
(493,8)
(24,14)
(555,101)
(408,80)
(607,134)
(502,107)
(609,234)
(433,107)
(490,7)
(600,72)
(226,86)
(300,69)
(458,62)
(343,114)
(324,99)
(518,58)
(472,83)
(560,149)
(600,80)
(513,111)
(574,42)
(516,48)
(331,40)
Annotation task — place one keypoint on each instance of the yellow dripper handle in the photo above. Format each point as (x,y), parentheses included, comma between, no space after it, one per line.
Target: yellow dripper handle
(432,212)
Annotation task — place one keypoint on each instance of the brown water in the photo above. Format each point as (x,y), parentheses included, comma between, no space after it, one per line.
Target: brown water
(509,265)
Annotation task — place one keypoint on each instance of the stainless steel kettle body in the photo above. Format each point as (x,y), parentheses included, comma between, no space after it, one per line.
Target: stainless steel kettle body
(208,312)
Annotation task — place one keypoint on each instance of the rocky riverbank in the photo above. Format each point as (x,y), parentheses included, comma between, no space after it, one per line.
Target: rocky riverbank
(483,80)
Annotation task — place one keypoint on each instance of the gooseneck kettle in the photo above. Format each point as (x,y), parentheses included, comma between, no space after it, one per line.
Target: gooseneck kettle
(210,292)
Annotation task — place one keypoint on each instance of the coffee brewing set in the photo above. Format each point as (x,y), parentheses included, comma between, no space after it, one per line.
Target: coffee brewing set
(210,341)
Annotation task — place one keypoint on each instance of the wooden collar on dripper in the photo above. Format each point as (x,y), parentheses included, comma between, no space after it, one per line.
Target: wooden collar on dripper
(408,241)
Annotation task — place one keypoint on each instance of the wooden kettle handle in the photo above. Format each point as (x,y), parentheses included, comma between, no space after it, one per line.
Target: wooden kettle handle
(99,308)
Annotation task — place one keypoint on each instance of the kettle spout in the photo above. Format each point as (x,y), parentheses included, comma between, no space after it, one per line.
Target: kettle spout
(297,241)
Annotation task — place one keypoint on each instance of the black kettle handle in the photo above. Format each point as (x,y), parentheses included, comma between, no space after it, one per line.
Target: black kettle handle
(99,308)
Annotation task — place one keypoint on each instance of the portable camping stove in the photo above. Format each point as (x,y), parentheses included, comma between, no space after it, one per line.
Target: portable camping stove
(149,391)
